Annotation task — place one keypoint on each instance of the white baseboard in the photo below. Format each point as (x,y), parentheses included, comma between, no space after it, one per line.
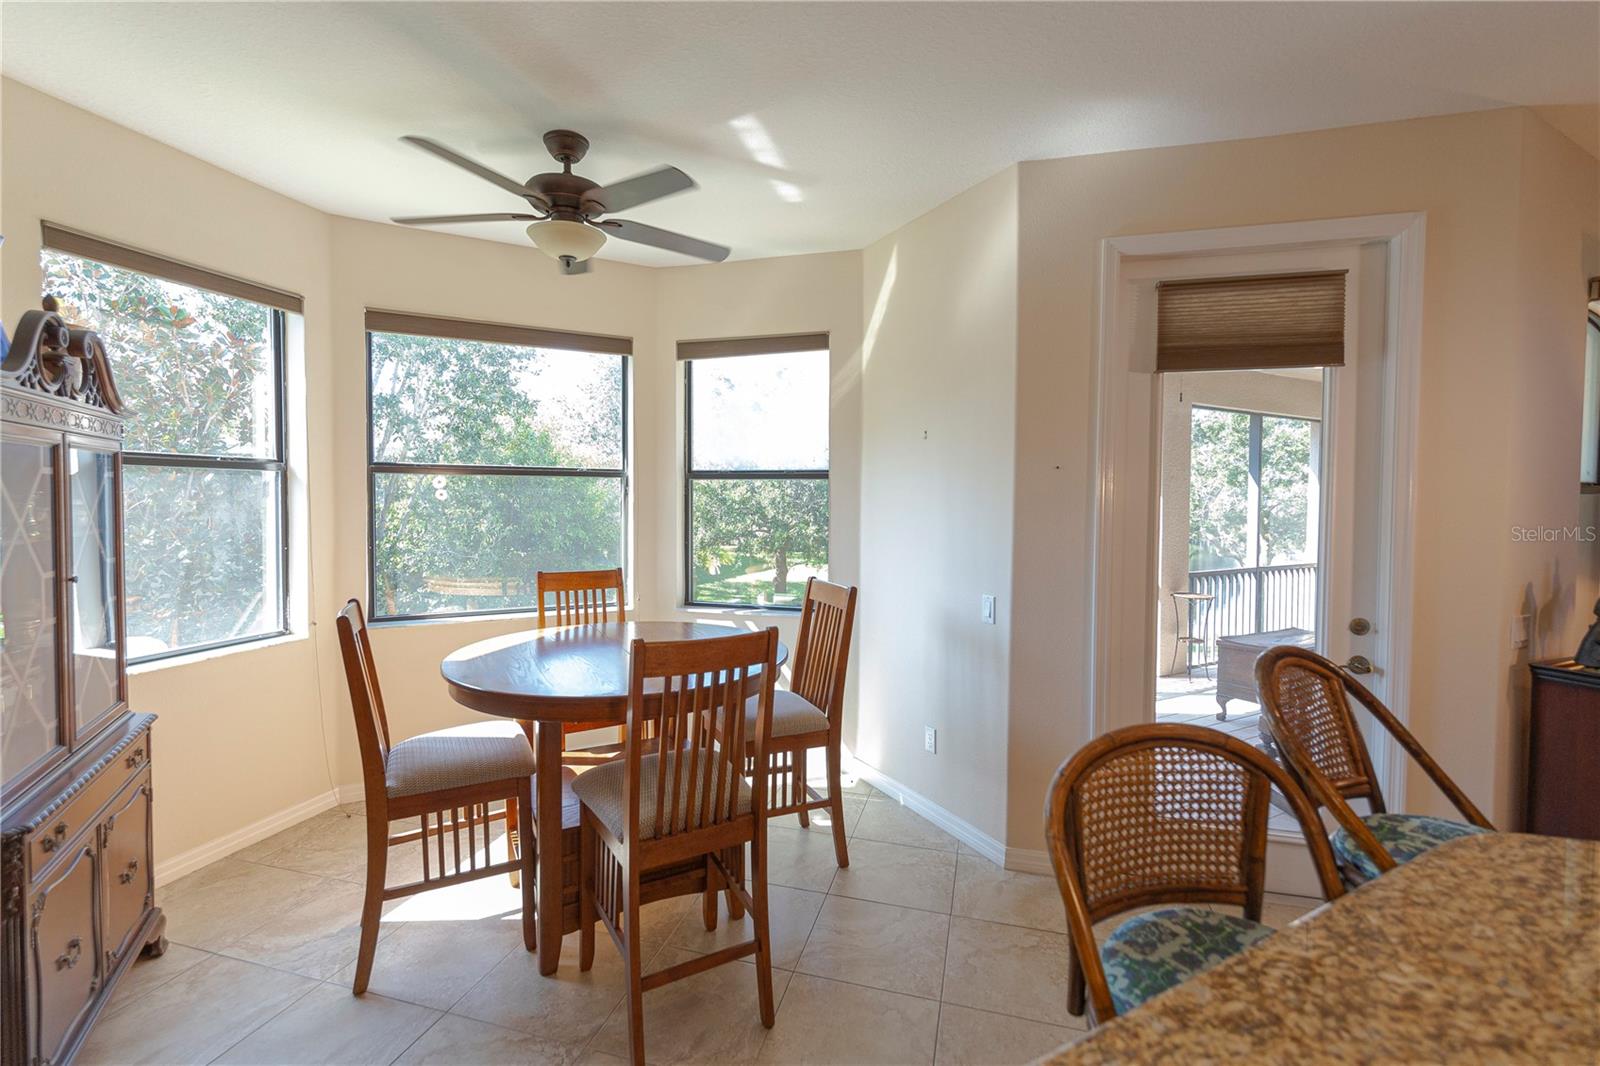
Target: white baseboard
(963,830)
(189,861)
(1029,861)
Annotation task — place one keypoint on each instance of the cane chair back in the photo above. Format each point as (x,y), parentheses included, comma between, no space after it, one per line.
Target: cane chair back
(1305,699)
(822,652)
(1161,813)
(580,597)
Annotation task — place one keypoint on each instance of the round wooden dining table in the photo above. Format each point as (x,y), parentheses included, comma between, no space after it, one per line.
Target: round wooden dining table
(546,679)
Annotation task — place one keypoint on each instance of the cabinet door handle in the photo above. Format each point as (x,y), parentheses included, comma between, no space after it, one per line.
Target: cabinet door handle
(51,843)
(70,959)
(135,757)
(127,875)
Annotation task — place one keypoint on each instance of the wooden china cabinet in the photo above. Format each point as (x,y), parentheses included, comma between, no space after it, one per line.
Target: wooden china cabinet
(76,886)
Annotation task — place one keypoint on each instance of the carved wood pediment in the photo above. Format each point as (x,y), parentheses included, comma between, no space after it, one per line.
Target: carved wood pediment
(51,357)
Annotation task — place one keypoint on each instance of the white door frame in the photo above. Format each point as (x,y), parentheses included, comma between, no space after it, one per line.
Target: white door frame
(1122,666)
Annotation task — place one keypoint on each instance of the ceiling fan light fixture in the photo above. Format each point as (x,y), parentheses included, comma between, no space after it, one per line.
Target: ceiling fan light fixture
(563,239)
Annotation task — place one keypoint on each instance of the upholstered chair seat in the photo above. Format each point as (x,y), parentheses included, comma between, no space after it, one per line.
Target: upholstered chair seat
(792,715)
(453,758)
(1403,836)
(1158,950)
(600,789)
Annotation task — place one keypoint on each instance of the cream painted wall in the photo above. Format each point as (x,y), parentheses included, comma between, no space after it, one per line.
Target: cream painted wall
(248,734)
(963,392)
(240,735)
(1511,210)
(938,368)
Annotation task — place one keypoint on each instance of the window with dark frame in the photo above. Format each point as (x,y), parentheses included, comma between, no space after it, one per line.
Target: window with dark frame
(494,452)
(756,503)
(199,360)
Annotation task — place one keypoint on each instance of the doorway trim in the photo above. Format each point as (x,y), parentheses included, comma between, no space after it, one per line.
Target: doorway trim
(1122,599)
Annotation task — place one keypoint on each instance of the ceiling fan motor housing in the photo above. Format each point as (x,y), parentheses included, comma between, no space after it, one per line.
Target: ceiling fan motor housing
(568,146)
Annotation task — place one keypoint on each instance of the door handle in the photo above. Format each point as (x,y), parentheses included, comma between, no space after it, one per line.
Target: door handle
(1358,664)
(126,876)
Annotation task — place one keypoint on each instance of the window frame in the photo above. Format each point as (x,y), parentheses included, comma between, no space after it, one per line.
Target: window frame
(279,464)
(375,468)
(692,475)
(64,242)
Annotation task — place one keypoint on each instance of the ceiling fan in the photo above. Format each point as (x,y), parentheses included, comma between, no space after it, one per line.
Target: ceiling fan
(568,226)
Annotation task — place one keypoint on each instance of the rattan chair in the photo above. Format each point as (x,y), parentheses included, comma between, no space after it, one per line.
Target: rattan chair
(1156,814)
(810,713)
(452,776)
(1305,707)
(672,816)
(582,597)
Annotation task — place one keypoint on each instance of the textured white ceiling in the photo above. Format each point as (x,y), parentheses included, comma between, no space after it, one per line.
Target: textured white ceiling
(809,126)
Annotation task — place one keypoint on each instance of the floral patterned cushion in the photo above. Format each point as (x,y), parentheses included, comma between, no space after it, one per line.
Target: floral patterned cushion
(1160,949)
(1405,836)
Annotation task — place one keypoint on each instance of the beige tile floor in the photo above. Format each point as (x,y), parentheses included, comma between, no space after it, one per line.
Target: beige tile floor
(920,952)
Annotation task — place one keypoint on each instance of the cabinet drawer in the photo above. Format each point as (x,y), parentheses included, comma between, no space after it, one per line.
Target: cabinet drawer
(79,813)
(64,951)
(125,860)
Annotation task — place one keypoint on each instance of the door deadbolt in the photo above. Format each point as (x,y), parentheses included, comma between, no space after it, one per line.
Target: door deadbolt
(1358,664)
(1360,626)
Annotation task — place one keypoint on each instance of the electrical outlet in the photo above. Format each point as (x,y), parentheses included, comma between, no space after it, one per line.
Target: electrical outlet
(986,610)
(930,739)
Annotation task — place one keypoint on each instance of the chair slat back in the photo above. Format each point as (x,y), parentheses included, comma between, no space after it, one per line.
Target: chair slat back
(1304,698)
(822,652)
(580,597)
(1166,814)
(698,729)
(366,698)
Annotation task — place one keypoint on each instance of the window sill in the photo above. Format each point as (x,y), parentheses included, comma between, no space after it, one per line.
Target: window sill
(205,654)
(774,613)
(530,618)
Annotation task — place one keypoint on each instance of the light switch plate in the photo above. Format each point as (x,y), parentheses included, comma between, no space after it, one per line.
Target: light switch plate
(930,739)
(986,609)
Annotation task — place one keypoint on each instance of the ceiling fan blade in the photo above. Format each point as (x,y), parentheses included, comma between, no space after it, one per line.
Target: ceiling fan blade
(450,155)
(631,192)
(639,233)
(442,220)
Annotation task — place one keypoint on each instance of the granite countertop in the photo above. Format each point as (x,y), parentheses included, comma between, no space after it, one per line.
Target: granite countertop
(1485,949)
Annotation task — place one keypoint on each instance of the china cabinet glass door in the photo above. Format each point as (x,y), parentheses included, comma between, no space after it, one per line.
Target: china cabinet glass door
(92,586)
(30,724)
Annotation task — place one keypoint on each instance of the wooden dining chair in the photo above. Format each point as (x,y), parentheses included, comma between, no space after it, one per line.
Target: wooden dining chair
(810,713)
(581,597)
(672,816)
(450,776)
(1305,705)
(1159,814)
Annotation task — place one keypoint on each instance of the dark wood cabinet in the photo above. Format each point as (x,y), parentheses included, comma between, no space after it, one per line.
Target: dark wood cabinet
(77,894)
(1564,751)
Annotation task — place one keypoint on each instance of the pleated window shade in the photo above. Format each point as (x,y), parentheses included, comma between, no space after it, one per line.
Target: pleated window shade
(1250,323)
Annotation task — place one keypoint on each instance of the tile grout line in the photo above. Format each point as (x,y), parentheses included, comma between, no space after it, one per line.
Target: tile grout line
(265,1021)
(441,1016)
